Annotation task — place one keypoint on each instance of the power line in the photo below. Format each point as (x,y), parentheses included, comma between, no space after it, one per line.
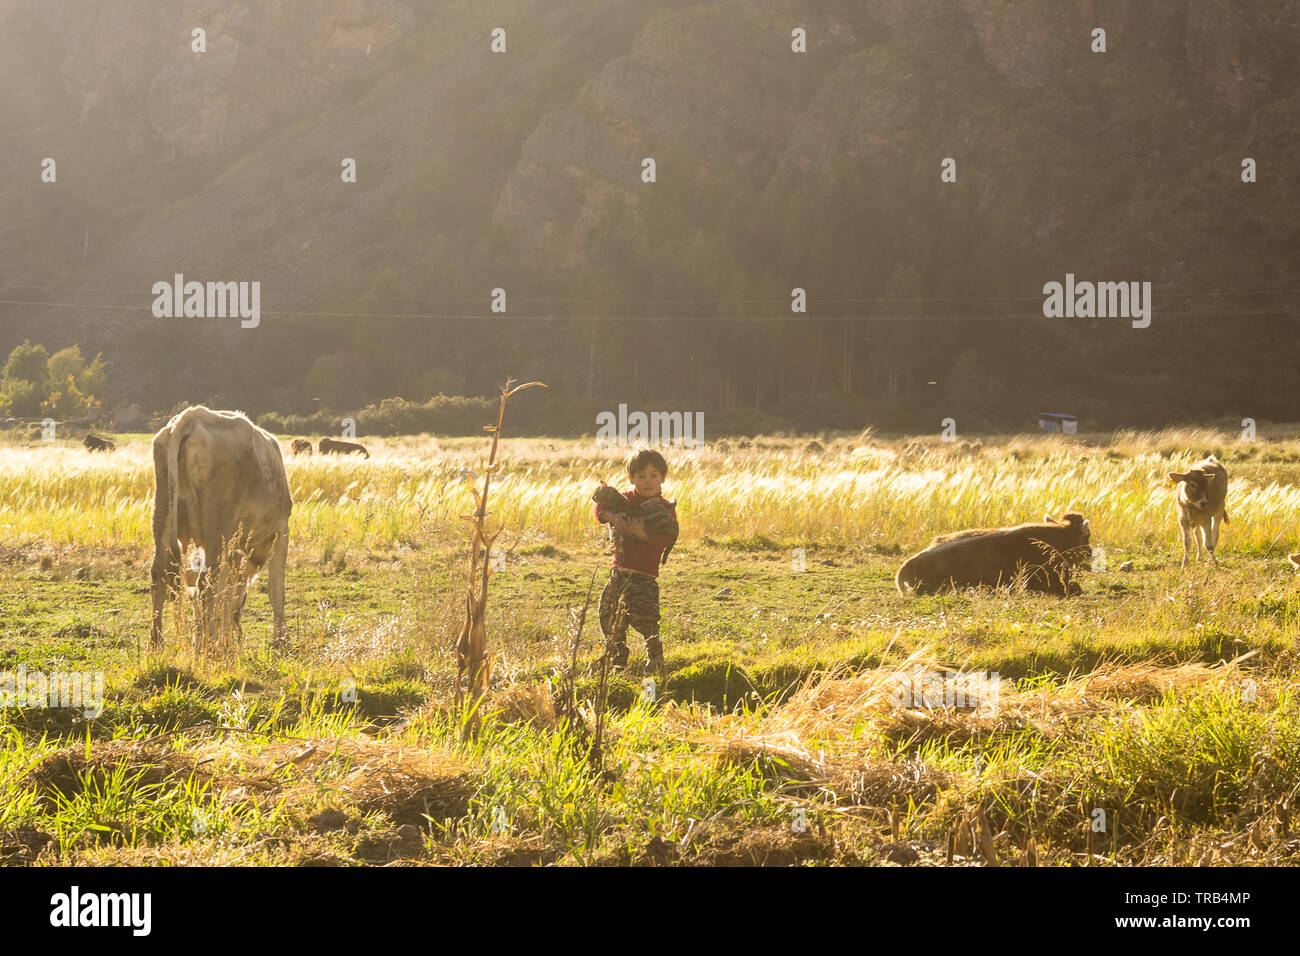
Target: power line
(518,298)
(789,317)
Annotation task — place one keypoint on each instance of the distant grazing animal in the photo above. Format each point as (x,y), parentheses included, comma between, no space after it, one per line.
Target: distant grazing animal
(332,446)
(302,446)
(1043,556)
(219,484)
(656,513)
(1201,505)
(95,443)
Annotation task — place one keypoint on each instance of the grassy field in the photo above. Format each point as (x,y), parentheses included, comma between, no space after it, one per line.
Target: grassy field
(1151,720)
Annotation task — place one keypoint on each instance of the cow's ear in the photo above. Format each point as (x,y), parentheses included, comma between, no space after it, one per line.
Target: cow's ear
(1176,477)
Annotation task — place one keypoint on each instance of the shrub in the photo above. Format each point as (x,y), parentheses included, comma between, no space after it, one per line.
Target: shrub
(719,683)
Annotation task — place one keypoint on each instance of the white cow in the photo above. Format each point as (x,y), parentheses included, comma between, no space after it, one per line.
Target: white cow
(219,485)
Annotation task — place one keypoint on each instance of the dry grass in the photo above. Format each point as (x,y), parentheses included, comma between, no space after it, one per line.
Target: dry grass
(404,781)
(828,727)
(886,493)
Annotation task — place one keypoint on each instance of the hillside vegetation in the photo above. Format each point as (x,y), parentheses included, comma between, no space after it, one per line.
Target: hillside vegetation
(775,171)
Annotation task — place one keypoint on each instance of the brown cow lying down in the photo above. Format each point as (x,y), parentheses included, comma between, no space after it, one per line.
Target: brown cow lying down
(302,446)
(331,446)
(95,443)
(1041,555)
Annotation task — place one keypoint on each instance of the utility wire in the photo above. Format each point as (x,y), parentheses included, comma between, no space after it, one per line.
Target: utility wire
(518,298)
(789,317)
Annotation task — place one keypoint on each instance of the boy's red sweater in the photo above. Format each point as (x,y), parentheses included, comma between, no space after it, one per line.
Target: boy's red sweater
(633,553)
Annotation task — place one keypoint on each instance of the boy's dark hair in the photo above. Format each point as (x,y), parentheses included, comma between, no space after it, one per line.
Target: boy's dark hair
(645,457)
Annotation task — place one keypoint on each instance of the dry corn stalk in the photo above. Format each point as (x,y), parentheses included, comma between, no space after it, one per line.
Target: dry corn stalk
(472,662)
(567,707)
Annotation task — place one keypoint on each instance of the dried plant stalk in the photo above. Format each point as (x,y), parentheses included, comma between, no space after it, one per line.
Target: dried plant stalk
(473,666)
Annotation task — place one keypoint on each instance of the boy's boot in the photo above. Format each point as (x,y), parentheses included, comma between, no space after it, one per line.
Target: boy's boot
(617,648)
(654,649)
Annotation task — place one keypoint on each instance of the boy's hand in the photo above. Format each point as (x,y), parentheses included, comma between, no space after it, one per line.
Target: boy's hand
(633,526)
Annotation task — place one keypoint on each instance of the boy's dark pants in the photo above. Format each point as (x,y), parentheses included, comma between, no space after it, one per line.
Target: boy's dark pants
(639,594)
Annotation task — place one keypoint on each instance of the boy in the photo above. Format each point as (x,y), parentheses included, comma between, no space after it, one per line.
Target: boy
(635,576)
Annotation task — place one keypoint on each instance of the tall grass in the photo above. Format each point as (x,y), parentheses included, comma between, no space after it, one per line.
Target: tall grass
(887,495)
